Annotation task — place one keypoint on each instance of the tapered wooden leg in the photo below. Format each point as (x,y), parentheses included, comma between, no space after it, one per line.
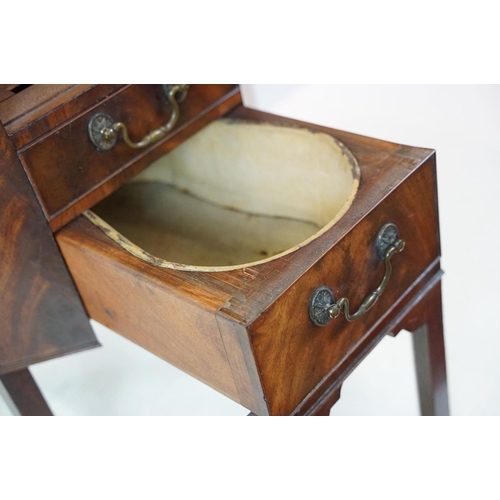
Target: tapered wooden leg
(425,321)
(22,394)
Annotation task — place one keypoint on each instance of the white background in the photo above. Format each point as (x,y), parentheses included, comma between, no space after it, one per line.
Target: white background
(463,124)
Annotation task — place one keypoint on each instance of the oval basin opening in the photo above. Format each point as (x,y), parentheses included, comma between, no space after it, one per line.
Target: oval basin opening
(234,195)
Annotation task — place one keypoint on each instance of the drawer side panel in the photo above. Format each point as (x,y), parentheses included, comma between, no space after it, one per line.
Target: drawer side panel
(148,313)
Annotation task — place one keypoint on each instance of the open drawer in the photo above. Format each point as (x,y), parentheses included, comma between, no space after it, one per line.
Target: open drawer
(213,257)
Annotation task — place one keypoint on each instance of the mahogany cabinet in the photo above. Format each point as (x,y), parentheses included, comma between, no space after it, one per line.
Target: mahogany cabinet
(264,256)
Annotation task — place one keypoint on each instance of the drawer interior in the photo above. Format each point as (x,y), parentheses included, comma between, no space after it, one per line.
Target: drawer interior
(235,194)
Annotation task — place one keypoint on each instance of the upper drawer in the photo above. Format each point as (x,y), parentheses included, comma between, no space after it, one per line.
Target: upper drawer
(70,173)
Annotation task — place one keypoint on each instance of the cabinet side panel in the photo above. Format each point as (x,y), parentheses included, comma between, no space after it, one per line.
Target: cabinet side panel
(41,315)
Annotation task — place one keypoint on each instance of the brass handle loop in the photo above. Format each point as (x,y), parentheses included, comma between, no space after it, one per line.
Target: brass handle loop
(323,307)
(104,131)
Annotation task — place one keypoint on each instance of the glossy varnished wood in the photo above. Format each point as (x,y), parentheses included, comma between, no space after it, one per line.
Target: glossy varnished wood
(41,315)
(279,363)
(141,161)
(69,174)
(406,313)
(40,109)
(421,314)
(145,308)
(294,355)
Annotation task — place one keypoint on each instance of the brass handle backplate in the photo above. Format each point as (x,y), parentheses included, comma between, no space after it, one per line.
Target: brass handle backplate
(103,130)
(323,307)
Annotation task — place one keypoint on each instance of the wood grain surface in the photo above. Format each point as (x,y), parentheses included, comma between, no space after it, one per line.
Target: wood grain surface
(411,312)
(6,91)
(40,109)
(41,315)
(68,172)
(148,311)
(292,354)
(276,358)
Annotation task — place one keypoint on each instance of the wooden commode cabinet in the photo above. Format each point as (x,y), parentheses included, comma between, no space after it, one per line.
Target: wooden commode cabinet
(264,256)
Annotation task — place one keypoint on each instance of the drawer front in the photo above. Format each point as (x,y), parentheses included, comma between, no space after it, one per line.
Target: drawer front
(292,354)
(65,166)
(40,109)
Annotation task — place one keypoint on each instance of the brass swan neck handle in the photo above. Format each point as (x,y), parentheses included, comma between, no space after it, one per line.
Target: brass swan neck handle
(369,302)
(104,131)
(323,307)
